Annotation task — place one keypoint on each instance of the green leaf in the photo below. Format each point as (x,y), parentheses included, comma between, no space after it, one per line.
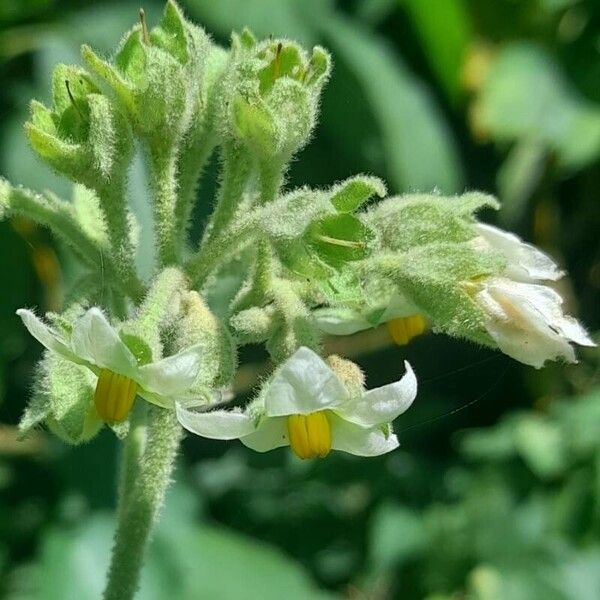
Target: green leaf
(445,30)
(526,97)
(397,535)
(186,561)
(337,239)
(354,192)
(417,144)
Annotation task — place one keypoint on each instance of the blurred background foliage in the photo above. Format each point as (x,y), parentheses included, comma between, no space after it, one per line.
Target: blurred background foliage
(495,491)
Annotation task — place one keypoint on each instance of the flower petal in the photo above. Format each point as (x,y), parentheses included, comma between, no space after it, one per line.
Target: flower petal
(383,404)
(361,441)
(525,262)
(172,375)
(47,336)
(527,322)
(302,385)
(216,424)
(399,306)
(340,321)
(95,340)
(271,433)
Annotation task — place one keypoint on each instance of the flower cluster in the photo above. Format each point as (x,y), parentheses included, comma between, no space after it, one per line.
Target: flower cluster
(274,266)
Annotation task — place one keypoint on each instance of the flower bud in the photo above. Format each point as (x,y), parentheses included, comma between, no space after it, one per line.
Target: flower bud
(272,91)
(84,136)
(156,75)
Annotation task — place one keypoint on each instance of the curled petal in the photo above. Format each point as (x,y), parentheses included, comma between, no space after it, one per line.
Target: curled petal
(271,433)
(95,340)
(217,424)
(302,385)
(47,336)
(525,261)
(361,441)
(527,322)
(382,405)
(173,375)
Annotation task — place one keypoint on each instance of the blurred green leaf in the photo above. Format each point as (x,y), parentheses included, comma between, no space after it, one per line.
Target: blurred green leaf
(419,151)
(444,27)
(397,535)
(285,18)
(526,97)
(186,561)
(518,178)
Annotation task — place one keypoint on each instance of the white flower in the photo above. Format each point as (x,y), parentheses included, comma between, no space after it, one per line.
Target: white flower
(94,344)
(346,321)
(525,318)
(306,405)
(527,322)
(402,317)
(524,262)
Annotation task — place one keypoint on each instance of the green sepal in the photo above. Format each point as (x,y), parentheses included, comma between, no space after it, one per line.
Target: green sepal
(253,125)
(253,325)
(437,277)
(403,222)
(84,137)
(297,256)
(289,335)
(138,347)
(338,239)
(351,194)
(111,77)
(64,401)
(170,33)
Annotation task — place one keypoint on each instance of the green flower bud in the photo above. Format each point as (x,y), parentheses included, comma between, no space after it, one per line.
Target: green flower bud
(198,325)
(272,90)
(84,136)
(157,75)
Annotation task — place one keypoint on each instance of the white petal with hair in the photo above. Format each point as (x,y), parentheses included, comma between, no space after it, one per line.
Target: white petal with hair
(303,385)
(95,344)
(527,321)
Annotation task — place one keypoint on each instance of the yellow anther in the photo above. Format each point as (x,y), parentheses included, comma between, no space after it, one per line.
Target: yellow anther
(114,396)
(406,328)
(310,435)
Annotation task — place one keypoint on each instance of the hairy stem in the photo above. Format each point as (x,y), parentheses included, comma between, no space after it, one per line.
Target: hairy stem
(236,172)
(271,174)
(165,187)
(113,204)
(141,497)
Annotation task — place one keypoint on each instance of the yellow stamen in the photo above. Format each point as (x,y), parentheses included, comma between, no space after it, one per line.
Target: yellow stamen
(114,396)
(406,328)
(310,435)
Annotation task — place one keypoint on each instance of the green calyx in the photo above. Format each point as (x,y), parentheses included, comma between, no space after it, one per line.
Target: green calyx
(273,89)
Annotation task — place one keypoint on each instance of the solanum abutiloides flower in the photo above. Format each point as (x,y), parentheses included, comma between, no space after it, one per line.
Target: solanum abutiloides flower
(402,318)
(95,344)
(523,317)
(313,408)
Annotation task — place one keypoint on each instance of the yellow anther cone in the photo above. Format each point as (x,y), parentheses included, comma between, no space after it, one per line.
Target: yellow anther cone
(309,435)
(114,396)
(403,330)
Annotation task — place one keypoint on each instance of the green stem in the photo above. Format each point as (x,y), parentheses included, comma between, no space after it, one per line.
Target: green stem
(271,174)
(142,495)
(113,204)
(165,187)
(133,450)
(237,169)
(191,164)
